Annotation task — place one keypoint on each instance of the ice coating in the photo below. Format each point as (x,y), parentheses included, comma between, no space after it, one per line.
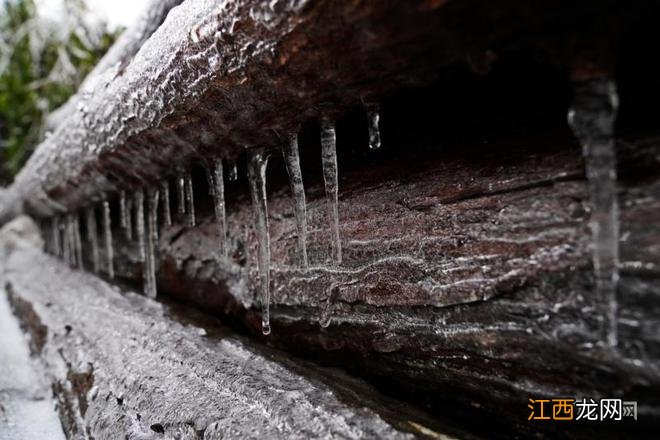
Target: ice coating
(107,239)
(592,116)
(330,177)
(292,162)
(106,117)
(225,387)
(257,177)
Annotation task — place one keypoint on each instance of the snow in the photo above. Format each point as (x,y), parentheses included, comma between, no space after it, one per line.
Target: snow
(26,408)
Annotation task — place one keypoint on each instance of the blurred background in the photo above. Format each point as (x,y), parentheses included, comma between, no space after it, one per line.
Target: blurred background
(46,49)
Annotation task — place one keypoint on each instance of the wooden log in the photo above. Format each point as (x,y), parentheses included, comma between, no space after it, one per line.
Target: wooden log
(123,366)
(217,78)
(466,281)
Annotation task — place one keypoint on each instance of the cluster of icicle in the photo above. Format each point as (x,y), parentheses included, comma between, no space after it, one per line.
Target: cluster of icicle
(138,218)
(591,118)
(64,235)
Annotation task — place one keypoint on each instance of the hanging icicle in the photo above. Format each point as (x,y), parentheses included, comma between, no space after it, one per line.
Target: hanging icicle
(92,236)
(330,177)
(139,225)
(181,193)
(55,236)
(66,244)
(233,173)
(373,120)
(257,177)
(64,255)
(77,241)
(190,200)
(123,212)
(107,240)
(292,161)
(165,196)
(70,241)
(129,219)
(592,118)
(218,192)
(149,273)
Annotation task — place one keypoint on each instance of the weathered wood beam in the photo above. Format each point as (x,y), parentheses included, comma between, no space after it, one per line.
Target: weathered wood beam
(219,77)
(123,366)
(466,279)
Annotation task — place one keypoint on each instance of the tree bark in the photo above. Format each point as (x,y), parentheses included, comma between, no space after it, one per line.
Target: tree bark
(123,366)
(466,283)
(218,78)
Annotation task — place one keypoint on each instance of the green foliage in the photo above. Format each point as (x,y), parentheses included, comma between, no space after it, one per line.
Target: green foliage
(39,69)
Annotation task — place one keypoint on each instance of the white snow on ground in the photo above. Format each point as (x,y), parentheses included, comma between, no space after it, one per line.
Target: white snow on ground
(26,406)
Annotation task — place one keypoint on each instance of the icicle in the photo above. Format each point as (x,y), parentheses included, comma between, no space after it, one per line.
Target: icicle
(61,226)
(107,239)
(292,161)
(71,231)
(190,200)
(55,236)
(329,162)
(69,241)
(149,272)
(257,177)
(77,241)
(139,225)
(129,219)
(66,247)
(592,117)
(233,173)
(181,193)
(123,214)
(92,237)
(218,193)
(165,196)
(373,118)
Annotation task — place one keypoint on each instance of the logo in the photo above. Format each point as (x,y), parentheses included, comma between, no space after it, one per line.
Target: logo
(589,409)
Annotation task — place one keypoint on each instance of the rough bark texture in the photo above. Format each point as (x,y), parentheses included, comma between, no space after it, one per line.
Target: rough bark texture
(454,273)
(122,366)
(219,77)
(466,285)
